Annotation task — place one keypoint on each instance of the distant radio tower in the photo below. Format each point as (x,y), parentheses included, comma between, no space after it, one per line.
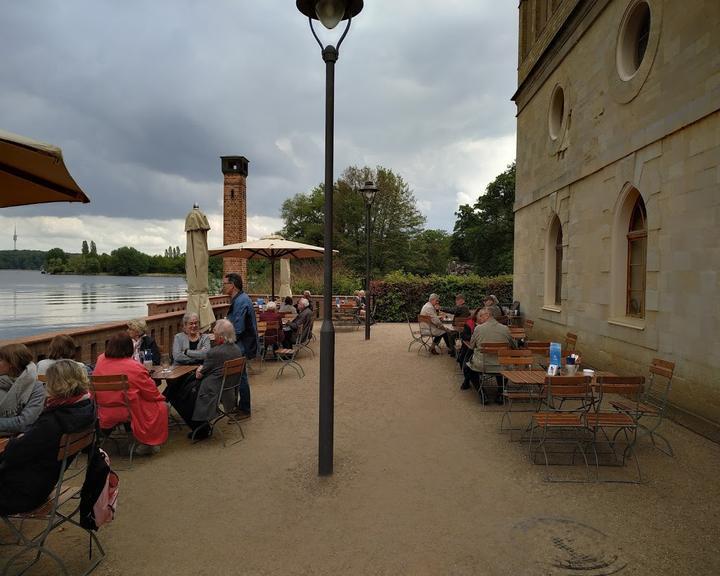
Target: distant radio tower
(15,238)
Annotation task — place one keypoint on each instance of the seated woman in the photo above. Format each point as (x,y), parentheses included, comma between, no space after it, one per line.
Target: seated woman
(61,346)
(189,346)
(148,411)
(287,306)
(22,395)
(465,353)
(141,341)
(29,468)
(197,401)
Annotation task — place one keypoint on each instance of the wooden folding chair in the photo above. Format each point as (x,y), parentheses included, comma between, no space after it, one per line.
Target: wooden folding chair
(426,336)
(416,336)
(512,393)
(570,343)
(529,325)
(569,398)
(103,388)
(232,372)
(287,357)
(653,403)
(306,338)
(49,513)
(603,422)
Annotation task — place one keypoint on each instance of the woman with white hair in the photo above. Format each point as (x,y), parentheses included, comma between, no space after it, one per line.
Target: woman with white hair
(189,346)
(137,329)
(197,401)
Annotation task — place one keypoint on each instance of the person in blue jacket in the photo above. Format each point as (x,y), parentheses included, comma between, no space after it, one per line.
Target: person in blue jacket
(242,316)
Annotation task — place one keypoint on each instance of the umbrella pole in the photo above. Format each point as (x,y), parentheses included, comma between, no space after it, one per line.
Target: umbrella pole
(272,277)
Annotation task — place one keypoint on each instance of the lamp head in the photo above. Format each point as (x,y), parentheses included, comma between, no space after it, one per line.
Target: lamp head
(368,190)
(330,12)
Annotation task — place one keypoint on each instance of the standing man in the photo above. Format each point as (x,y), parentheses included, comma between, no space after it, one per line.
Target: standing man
(242,316)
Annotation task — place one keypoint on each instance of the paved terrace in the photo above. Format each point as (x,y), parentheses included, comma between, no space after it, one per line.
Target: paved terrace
(424,485)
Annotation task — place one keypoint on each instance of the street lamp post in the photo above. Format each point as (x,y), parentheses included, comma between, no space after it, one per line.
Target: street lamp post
(330,13)
(368,192)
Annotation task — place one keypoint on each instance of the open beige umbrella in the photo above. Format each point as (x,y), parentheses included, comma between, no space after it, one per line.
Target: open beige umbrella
(272,248)
(196,267)
(33,172)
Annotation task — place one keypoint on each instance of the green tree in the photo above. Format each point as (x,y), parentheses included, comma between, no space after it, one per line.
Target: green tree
(395,219)
(93,248)
(429,253)
(483,233)
(55,260)
(85,249)
(128,261)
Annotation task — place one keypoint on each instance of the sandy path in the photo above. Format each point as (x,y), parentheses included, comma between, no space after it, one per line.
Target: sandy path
(423,484)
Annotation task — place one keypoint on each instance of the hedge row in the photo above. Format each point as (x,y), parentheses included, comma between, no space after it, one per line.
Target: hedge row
(400,294)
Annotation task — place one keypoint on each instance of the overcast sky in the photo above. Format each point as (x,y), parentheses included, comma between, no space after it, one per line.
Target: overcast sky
(144,96)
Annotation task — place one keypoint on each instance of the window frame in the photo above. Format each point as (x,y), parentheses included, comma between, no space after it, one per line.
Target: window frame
(636,236)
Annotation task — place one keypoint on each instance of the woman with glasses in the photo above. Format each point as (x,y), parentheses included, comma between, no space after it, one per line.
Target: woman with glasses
(190,346)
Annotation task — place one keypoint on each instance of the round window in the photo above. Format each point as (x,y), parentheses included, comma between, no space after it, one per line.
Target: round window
(557,112)
(633,40)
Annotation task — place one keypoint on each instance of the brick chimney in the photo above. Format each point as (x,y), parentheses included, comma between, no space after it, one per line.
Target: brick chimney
(235,171)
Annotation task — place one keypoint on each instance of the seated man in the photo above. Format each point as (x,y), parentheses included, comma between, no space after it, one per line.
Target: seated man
(437,329)
(299,323)
(197,401)
(460,308)
(488,329)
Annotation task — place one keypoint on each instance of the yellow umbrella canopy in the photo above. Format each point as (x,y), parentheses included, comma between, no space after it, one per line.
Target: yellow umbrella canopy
(272,248)
(33,172)
(196,267)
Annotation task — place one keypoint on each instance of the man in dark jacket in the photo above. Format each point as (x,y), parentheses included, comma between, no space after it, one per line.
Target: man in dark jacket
(300,322)
(460,309)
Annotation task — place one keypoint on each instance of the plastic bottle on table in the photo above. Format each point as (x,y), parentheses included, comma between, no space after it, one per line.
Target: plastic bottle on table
(555,354)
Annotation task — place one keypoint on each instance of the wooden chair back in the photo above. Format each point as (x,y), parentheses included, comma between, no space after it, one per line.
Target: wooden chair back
(424,322)
(516,362)
(459,322)
(662,368)
(561,388)
(529,324)
(71,444)
(233,367)
(113,383)
(509,352)
(570,342)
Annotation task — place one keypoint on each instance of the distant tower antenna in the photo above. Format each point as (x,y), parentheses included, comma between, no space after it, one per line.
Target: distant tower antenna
(15,238)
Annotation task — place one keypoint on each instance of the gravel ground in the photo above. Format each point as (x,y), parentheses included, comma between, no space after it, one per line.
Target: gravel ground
(424,484)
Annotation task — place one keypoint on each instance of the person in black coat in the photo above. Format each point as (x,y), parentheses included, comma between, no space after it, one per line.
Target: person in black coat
(29,467)
(137,330)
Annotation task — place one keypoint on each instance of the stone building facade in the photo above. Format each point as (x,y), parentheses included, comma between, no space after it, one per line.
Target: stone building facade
(617,212)
(235,171)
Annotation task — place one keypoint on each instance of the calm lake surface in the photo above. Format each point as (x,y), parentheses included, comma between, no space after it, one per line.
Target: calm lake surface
(32,303)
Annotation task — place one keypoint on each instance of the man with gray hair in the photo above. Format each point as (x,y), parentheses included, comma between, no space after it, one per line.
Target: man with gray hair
(488,330)
(196,400)
(436,327)
(300,322)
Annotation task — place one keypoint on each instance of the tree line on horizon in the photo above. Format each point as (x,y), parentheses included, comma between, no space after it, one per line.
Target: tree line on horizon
(481,241)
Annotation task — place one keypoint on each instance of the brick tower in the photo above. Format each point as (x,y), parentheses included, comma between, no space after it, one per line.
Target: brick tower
(235,171)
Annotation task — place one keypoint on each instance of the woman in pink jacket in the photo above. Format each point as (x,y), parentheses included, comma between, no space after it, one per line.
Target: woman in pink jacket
(148,410)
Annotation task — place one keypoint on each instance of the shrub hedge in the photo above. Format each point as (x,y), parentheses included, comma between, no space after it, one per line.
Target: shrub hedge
(399,294)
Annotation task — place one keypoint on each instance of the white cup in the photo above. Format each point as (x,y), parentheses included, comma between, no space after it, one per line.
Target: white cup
(571,369)
(588,372)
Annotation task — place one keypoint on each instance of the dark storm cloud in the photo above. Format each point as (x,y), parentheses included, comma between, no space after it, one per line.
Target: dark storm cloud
(144,97)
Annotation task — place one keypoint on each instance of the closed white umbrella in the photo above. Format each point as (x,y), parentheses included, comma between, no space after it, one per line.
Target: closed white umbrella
(285,289)
(196,267)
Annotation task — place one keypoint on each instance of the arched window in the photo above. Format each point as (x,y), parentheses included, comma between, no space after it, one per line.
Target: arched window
(636,260)
(558,265)
(553,264)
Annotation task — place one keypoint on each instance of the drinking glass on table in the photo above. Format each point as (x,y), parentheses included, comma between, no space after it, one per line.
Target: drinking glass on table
(165,363)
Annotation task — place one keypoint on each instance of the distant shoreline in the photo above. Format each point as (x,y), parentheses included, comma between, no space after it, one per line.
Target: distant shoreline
(150,274)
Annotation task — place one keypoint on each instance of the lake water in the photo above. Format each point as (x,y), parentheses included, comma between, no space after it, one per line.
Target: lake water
(32,303)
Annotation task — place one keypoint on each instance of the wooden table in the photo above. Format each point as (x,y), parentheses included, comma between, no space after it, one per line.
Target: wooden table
(538,376)
(176,372)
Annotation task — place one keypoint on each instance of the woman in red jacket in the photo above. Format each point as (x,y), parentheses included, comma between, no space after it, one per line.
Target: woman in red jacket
(148,411)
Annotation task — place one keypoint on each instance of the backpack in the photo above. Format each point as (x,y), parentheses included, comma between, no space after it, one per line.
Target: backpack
(98,496)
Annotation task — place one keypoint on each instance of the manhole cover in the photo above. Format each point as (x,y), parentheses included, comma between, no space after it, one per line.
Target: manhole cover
(563,546)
